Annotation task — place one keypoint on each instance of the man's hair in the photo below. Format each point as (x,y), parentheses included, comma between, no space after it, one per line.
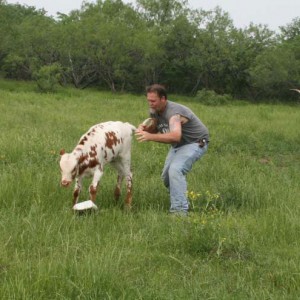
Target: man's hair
(158,89)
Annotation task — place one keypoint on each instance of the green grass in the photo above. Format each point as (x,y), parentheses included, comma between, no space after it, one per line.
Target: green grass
(241,240)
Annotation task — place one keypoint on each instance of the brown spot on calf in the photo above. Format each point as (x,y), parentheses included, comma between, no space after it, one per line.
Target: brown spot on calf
(93,152)
(93,163)
(111,139)
(83,140)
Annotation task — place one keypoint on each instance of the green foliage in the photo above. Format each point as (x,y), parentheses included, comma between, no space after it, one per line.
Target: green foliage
(120,47)
(48,78)
(239,242)
(25,39)
(291,31)
(209,97)
(16,67)
(273,72)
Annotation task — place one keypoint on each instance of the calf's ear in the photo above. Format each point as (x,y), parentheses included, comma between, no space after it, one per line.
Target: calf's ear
(62,152)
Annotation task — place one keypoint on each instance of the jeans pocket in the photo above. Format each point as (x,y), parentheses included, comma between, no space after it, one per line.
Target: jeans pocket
(202,150)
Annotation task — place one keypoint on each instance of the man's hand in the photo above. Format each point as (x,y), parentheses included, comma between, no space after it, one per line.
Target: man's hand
(173,136)
(149,125)
(141,127)
(142,136)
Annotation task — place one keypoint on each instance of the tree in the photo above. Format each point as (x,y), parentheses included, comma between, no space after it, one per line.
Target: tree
(276,69)
(179,46)
(161,12)
(210,55)
(76,56)
(246,45)
(291,31)
(273,72)
(26,35)
(116,43)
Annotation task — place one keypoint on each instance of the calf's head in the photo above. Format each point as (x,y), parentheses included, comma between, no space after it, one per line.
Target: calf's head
(68,167)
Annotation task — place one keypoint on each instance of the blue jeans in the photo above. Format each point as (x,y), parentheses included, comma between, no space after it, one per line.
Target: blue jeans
(178,163)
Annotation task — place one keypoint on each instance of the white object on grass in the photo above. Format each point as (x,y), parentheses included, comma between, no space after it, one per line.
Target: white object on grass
(85,205)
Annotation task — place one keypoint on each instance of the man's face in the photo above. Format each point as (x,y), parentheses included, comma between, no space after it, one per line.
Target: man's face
(155,102)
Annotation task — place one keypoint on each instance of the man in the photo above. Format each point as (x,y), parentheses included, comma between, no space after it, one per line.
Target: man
(179,126)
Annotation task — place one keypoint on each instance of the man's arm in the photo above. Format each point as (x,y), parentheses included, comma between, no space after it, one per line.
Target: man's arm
(174,136)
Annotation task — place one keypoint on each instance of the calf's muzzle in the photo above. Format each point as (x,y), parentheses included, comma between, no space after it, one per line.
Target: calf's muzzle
(65,183)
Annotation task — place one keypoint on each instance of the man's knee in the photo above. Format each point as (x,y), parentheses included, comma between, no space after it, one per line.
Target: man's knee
(175,170)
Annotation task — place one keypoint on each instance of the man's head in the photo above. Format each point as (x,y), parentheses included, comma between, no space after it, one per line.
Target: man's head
(158,89)
(156,97)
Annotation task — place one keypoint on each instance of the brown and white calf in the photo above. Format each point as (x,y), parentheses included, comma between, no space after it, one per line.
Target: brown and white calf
(108,142)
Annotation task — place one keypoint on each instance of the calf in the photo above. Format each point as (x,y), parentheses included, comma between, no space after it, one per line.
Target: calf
(108,142)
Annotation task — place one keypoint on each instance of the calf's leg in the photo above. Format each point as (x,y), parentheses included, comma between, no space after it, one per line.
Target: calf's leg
(117,192)
(93,187)
(77,190)
(128,199)
(123,169)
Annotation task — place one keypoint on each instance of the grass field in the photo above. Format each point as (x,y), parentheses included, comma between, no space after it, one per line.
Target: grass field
(241,240)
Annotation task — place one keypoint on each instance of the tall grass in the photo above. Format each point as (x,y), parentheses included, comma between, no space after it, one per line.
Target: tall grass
(241,240)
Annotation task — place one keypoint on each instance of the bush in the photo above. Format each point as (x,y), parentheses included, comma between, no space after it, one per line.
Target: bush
(210,97)
(48,77)
(15,66)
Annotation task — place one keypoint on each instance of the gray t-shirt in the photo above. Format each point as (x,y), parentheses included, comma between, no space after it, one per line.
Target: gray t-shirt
(192,131)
